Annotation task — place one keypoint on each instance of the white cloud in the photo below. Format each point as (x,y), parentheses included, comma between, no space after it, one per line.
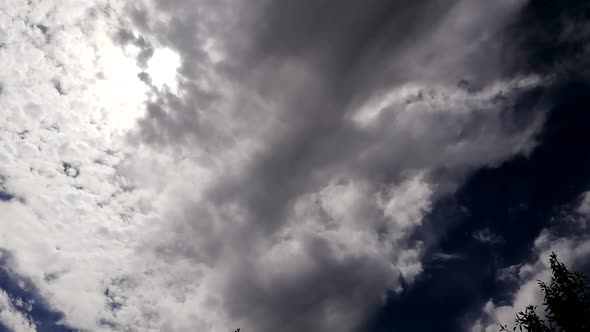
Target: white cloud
(73,216)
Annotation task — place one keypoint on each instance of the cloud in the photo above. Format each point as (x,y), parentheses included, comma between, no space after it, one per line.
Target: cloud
(486,236)
(440,256)
(277,186)
(12,317)
(318,143)
(584,207)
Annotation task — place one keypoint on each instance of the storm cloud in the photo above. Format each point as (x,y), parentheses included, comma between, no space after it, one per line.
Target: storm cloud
(341,122)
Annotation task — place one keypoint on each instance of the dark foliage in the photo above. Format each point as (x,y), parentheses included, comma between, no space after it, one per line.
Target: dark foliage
(566,301)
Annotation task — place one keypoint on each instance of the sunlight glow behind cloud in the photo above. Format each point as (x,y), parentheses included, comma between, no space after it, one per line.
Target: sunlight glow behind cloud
(162,67)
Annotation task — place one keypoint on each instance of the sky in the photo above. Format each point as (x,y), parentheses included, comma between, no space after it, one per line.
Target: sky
(278,165)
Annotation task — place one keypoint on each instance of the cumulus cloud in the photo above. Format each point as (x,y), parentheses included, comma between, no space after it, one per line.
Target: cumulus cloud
(65,110)
(271,180)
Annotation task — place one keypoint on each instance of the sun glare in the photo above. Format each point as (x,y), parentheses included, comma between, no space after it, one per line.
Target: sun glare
(162,68)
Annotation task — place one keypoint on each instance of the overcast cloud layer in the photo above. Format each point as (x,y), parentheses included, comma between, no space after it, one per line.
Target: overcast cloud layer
(270,165)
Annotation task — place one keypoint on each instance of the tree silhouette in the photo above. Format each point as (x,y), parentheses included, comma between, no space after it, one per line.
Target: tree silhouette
(566,301)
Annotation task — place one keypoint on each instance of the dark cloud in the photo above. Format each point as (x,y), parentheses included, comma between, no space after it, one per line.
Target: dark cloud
(321,59)
(486,236)
(372,92)
(4,194)
(301,160)
(315,294)
(345,41)
(345,52)
(125,37)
